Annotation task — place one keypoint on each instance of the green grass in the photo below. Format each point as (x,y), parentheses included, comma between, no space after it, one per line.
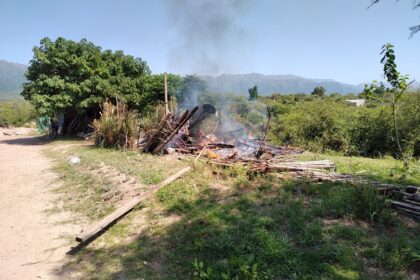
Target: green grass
(83,190)
(221,224)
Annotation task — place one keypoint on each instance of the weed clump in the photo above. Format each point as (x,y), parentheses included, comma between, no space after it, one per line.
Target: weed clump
(117,127)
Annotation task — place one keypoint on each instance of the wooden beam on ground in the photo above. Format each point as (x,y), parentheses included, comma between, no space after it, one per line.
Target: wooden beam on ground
(302,166)
(405,205)
(93,231)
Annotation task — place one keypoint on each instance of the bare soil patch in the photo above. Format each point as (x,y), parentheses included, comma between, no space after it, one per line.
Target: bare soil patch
(34,242)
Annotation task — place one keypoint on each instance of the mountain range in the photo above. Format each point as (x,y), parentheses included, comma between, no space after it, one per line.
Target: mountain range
(12,75)
(269,84)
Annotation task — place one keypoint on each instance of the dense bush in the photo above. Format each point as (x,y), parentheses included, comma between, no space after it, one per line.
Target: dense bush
(329,124)
(70,78)
(317,125)
(16,113)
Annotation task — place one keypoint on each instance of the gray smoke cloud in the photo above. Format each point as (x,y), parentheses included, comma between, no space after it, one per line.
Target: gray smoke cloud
(209,37)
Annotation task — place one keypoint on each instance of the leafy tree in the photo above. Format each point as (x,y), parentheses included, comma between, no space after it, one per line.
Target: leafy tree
(415,4)
(155,88)
(253,93)
(77,77)
(318,91)
(192,87)
(393,95)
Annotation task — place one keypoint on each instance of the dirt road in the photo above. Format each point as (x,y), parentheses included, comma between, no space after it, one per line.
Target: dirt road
(33,243)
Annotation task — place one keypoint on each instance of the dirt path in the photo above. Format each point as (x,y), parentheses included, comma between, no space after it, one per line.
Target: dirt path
(33,243)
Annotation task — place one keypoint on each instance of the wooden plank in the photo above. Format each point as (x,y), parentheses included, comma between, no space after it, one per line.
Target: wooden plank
(405,205)
(326,163)
(302,165)
(413,214)
(91,232)
(413,202)
(415,198)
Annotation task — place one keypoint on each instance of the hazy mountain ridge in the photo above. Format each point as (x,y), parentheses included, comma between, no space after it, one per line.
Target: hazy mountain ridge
(269,84)
(12,75)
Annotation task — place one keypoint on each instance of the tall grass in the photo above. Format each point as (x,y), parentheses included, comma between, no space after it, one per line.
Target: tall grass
(117,127)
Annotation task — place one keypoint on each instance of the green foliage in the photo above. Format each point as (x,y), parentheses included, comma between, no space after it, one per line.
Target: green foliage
(210,224)
(355,202)
(393,98)
(370,206)
(318,125)
(273,235)
(329,124)
(318,91)
(117,127)
(200,272)
(397,81)
(65,76)
(253,93)
(155,90)
(16,113)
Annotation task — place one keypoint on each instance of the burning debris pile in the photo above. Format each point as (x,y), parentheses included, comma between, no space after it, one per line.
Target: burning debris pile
(183,132)
(167,129)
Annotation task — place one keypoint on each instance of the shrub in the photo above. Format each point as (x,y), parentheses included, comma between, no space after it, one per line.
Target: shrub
(16,113)
(117,127)
(371,206)
(317,125)
(371,133)
(329,124)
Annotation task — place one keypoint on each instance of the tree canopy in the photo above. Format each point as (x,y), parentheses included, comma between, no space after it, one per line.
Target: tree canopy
(253,93)
(319,91)
(66,76)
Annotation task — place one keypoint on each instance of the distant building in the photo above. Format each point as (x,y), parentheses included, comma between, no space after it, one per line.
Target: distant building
(356,102)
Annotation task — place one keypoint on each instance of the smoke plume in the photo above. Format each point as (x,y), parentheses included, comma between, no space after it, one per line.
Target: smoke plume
(209,37)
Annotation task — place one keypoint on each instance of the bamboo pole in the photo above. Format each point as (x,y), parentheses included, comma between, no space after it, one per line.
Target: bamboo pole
(165,83)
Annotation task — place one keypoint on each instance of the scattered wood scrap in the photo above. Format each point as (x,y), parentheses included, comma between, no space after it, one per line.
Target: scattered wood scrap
(409,204)
(265,166)
(405,199)
(294,166)
(94,230)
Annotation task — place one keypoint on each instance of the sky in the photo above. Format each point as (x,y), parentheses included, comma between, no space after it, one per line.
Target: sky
(328,39)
